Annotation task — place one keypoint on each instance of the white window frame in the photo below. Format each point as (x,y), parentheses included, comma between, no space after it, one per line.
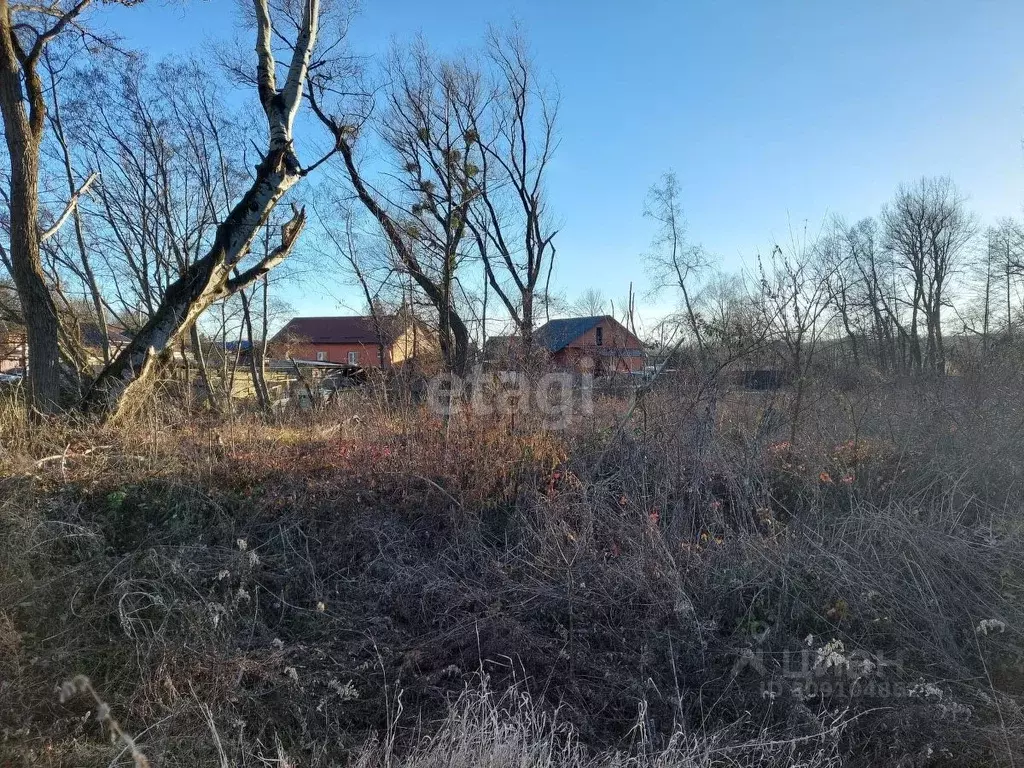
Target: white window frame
(321,356)
(353,358)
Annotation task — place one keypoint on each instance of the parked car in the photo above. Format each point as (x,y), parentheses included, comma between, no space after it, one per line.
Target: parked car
(10,379)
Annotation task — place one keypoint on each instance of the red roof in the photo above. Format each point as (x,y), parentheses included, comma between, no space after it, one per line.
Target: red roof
(334,330)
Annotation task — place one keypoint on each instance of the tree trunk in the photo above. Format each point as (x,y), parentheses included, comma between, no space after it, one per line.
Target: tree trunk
(1009,288)
(915,342)
(255,359)
(459,359)
(42,327)
(798,399)
(985,314)
(453,335)
(23,135)
(264,341)
(526,326)
(204,372)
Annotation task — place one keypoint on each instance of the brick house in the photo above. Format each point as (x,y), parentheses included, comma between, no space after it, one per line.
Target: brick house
(603,341)
(353,340)
(14,345)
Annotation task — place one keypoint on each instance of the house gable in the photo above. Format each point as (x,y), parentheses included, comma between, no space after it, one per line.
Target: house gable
(557,335)
(602,340)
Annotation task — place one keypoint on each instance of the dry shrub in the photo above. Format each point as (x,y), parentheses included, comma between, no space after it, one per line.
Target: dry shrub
(280,583)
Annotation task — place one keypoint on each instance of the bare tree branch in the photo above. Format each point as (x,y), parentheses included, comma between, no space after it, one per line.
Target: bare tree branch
(69,208)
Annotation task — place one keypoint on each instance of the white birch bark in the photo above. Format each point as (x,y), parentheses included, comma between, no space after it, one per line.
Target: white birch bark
(121,385)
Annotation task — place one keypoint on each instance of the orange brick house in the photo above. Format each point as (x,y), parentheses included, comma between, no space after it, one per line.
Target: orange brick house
(602,341)
(353,340)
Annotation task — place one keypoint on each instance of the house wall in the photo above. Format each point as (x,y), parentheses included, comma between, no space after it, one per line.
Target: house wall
(368,354)
(413,342)
(616,342)
(571,356)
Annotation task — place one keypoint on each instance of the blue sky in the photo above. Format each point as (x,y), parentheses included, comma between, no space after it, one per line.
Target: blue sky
(772,112)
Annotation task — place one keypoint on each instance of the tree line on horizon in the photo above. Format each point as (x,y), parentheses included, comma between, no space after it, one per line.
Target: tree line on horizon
(892,288)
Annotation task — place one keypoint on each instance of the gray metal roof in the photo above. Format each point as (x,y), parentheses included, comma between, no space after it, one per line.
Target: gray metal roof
(558,334)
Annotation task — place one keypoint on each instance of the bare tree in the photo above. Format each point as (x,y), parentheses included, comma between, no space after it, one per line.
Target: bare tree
(927,229)
(217,274)
(861,292)
(730,326)
(81,266)
(842,284)
(374,276)
(468,143)
(434,154)
(171,163)
(171,159)
(792,305)
(673,260)
(873,291)
(590,303)
(517,139)
(1003,265)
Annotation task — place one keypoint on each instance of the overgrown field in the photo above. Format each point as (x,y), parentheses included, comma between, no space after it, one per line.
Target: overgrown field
(374,586)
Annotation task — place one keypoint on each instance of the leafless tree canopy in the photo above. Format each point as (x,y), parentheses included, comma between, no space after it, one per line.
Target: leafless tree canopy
(927,229)
(163,206)
(673,261)
(467,143)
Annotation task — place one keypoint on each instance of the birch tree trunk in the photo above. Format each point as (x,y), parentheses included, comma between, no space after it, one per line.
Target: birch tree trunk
(123,384)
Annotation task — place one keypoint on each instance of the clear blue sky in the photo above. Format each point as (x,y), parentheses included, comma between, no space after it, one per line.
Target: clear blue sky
(770,111)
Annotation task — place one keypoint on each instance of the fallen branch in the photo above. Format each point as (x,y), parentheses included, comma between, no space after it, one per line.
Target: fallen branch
(65,455)
(427,480)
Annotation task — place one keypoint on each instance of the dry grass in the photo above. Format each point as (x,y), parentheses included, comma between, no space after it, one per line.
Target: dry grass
(485,729)
(332,588)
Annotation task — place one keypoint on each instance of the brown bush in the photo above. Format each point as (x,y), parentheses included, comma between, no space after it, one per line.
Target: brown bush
(326,587)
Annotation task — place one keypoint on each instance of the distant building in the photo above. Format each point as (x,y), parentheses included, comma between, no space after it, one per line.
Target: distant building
(234,352)
(499,349)
(13,348)
(601,342)
(14,344)
(92,341)
(388,341)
